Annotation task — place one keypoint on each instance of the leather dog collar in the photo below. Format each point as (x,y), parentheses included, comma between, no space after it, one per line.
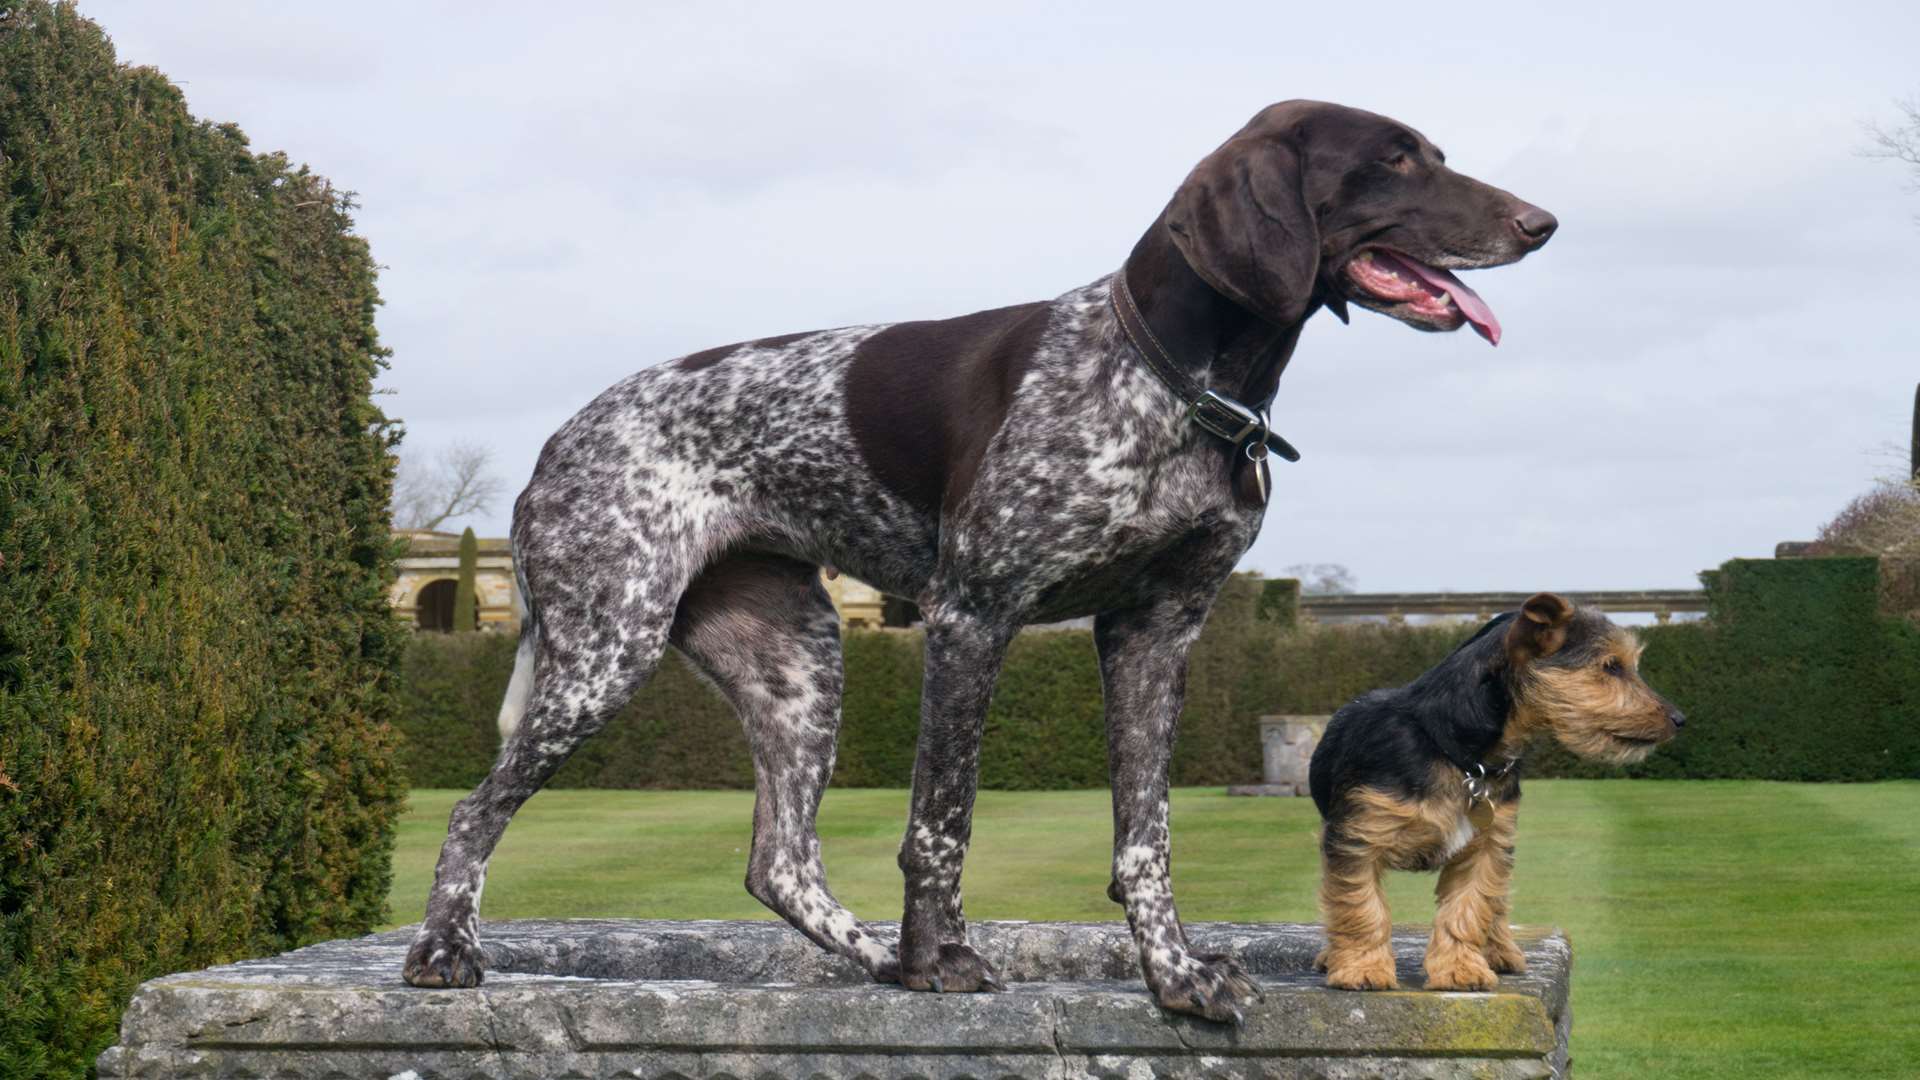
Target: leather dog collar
(1244,427)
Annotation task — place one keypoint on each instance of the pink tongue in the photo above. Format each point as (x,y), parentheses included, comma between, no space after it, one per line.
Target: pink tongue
(1468,301)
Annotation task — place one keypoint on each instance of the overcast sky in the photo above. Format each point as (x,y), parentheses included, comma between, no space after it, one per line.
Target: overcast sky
(1710,357)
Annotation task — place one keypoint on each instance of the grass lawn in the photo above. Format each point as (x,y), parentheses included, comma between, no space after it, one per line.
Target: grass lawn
(1720,928)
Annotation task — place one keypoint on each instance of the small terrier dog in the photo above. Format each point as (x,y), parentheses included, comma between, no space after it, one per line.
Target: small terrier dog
(1427,777)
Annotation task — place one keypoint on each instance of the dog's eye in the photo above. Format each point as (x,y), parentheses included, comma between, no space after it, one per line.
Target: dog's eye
(1613,666)
(1398,161)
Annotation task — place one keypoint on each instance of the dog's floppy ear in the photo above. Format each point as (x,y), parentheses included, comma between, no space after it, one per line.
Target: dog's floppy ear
(1241,221)
(1540,628)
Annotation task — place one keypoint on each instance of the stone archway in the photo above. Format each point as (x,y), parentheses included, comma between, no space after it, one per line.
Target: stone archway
(433,609)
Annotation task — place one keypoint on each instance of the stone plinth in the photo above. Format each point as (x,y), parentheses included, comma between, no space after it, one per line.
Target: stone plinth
(594,998)
(1286,749)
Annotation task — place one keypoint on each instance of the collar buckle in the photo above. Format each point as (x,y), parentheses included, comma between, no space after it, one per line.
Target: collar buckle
(1227,418)
(1240,424)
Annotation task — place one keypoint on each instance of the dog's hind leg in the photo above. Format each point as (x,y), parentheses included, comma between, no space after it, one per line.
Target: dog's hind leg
(596,633)
(763,629)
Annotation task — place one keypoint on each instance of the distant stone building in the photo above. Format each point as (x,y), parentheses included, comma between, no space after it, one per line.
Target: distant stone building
(861,606)
(430,572)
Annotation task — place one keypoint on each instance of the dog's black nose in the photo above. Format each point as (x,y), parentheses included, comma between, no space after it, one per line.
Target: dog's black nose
(1678,718)
(1536,225)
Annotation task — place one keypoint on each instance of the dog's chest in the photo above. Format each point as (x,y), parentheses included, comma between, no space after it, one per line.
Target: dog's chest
(1093,479)
(1423,834)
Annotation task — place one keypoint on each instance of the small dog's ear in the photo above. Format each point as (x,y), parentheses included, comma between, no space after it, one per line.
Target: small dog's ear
(1540,629)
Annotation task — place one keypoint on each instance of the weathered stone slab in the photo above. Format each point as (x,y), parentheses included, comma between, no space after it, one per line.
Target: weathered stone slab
(644,1000)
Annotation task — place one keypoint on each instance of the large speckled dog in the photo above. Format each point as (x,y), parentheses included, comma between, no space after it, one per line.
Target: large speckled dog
(1092,455)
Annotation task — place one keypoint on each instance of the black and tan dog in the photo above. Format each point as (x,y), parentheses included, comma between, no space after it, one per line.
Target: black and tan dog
(1427,777)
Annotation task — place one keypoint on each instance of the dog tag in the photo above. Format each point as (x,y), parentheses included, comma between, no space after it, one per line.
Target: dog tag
(1251,479)
(1480,812)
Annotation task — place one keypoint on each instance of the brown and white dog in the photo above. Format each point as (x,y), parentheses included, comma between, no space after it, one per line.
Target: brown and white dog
(1031,463)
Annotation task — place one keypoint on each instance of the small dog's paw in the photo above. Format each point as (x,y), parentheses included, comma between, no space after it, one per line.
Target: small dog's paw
(1467,971)
(953,969)
(1370,970)
(1506,958)
(1320,959)
(1215,987)
(437,960)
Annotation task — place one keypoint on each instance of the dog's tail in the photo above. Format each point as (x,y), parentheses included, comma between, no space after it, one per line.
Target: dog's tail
(520,687)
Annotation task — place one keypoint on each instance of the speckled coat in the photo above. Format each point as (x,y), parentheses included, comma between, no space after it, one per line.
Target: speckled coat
(1001,468)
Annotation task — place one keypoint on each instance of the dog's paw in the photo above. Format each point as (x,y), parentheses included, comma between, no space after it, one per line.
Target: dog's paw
(952,969)
(1320,959)
(1506,958)
(1465,971)
(1371,970)
(1215,987)
(437,960)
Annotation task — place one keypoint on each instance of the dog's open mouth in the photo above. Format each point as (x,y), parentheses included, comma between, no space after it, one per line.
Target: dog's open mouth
(1423,295)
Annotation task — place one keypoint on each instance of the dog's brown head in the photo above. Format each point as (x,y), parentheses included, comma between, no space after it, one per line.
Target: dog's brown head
(1317,203)
(1577,675)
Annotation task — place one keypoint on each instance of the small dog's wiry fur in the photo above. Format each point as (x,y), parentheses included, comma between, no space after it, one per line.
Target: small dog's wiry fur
(1426,777)
(1020,465)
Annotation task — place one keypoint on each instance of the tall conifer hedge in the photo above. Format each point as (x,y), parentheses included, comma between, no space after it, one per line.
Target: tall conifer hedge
(196,653)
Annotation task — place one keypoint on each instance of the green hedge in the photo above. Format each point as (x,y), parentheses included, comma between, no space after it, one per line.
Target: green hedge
(1044,730)
(1795,677)
(196,653)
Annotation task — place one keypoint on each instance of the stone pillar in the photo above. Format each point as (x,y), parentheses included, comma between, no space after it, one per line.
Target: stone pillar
(1286,749)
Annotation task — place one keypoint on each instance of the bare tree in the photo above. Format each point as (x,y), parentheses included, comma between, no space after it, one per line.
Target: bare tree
(1322,579)
(453,483)
(1884,521)
(1900,143)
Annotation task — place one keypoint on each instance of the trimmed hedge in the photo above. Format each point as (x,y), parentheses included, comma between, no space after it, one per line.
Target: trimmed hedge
(196,653)
(1045,729)
(1796,676)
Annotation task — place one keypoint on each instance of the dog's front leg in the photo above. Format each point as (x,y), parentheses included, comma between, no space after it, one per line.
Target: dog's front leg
(964,653)
(1471,938)
(1503,953)
(1143,667)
